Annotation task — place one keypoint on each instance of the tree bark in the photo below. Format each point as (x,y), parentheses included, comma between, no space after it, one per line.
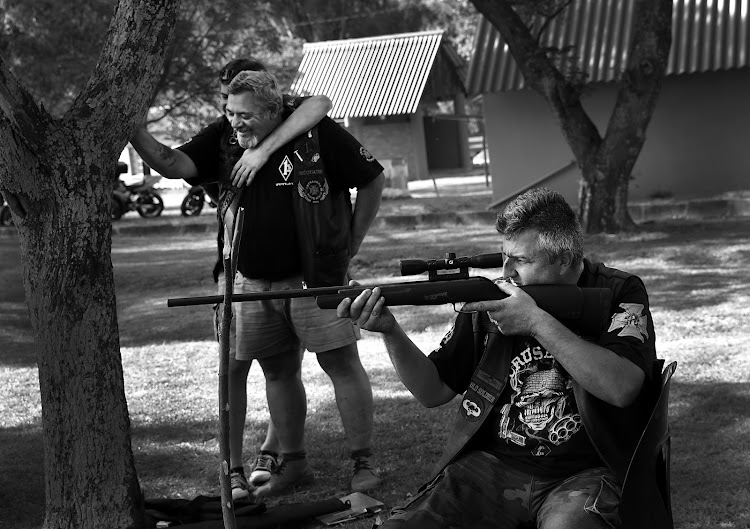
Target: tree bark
(606,161)
(59,174)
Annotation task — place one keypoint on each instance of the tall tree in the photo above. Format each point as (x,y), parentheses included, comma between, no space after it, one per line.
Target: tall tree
(52,47)
(606,161)
(56,173)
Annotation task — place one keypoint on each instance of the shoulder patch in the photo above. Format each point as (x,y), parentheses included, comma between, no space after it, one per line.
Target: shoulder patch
(632,321)
(366,154)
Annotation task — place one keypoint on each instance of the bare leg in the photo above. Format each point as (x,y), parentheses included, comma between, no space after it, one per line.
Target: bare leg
(287,400)
(287,403)
(354,400)
(353,393)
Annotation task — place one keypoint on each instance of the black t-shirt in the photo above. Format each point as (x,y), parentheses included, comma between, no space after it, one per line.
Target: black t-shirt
(269,248)
(535,425)
(536,418)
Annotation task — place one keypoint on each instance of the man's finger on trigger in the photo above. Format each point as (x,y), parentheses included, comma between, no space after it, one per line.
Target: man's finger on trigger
(473,306)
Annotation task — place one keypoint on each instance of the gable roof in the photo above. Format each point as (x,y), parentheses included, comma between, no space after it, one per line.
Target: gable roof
(374,76)
(707,35)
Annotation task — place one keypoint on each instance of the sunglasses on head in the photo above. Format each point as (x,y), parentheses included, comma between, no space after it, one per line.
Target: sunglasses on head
(227,74)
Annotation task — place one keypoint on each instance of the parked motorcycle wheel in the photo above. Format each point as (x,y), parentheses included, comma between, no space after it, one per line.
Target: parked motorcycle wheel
(149,204)
(192,204)
(6,218)
(116,210)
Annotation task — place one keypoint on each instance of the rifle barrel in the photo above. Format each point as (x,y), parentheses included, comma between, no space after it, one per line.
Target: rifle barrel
(255,296)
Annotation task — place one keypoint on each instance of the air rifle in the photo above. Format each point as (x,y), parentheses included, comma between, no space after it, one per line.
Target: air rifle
(583,310)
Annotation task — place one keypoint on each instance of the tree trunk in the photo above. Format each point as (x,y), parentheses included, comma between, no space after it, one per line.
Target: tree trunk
(58,176)
(89,467)
(606,161)
(603,195)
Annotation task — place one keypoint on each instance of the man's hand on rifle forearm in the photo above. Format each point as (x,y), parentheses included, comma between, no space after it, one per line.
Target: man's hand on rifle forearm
(368,310)
(416,371)
(515,315)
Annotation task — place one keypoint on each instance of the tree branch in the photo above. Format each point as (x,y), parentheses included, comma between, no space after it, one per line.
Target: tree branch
(642,79)
(114,93)
(19,114)
(541,75)
(548,20)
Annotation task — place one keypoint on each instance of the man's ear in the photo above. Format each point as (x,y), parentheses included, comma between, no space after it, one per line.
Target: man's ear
(566,262)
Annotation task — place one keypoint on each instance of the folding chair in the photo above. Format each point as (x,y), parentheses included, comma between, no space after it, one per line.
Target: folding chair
(646,501)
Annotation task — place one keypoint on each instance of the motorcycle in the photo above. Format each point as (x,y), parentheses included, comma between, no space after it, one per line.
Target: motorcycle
(140,197)
(196,197)
(6,219)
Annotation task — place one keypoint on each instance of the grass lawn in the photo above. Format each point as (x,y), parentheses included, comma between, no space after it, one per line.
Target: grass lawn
(696,274)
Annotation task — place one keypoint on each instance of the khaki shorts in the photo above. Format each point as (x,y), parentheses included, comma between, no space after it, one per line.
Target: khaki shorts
(268,327)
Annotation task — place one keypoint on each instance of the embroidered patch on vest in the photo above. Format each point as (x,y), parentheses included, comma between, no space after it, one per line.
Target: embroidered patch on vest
(632,322)
(306,152)
(313,190)
(286,168)
(473,410)
(366,154)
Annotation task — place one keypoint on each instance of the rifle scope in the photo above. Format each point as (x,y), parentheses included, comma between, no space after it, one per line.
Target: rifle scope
(410,267)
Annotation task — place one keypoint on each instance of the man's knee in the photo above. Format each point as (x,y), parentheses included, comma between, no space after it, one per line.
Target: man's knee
(283,366)
(340,362)
(239,368)
(588,501)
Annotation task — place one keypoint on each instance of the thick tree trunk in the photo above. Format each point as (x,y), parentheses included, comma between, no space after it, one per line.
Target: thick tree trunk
(58,177)
(89,467)
(603,200)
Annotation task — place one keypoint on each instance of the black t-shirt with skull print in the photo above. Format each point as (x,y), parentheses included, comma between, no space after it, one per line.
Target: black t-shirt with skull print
(536,419)
(535,425)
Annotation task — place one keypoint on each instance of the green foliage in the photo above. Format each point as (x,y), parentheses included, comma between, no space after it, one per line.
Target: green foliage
(321,20)
(53,46)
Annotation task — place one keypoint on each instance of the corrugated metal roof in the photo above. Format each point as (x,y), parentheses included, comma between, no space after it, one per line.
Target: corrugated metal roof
(707,35)
(375,76)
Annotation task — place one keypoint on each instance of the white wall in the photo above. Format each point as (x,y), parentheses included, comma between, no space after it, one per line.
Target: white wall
(698,142)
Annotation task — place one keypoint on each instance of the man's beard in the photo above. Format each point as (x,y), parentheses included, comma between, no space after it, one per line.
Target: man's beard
(247,142)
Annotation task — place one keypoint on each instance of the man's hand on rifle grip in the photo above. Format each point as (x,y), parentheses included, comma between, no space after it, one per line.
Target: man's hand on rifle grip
(515,315)
(367,310)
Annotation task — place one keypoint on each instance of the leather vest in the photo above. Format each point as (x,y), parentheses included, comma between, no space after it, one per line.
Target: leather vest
(323,216)
(614,432)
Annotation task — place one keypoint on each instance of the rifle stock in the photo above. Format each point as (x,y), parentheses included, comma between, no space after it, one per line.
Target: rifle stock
(584,310)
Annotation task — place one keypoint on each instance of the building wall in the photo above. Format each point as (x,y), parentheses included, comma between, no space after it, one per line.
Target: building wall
(393,140)
(698,141)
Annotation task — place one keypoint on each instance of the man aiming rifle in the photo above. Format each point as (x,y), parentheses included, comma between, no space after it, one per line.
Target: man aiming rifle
(533,441)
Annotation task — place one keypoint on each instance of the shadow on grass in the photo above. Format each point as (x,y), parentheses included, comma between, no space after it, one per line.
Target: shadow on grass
(710,426)
(22,477)
(710,442)
(16,337)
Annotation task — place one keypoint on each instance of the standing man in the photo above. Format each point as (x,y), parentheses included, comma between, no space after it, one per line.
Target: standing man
(209,147)
(549,420)
(305,113)
(299,229)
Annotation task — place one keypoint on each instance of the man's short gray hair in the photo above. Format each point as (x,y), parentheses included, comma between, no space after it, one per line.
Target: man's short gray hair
(547,212)
(265,88)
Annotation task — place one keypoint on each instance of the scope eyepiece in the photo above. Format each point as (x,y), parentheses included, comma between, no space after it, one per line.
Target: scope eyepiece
(410,267)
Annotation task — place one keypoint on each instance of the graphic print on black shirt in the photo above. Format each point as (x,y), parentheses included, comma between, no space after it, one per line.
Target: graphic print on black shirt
(536,422)
(541,411)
